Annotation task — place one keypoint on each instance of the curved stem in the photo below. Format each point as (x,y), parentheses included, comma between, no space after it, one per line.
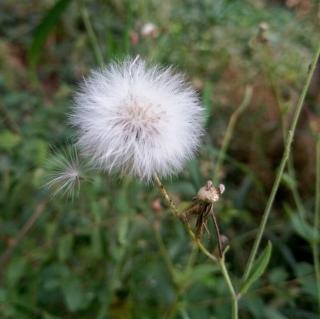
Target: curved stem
(165,255)
(231,289)
(221,261)
(229,132)
(166,196)
(282,166)
(176,213)
(216,226)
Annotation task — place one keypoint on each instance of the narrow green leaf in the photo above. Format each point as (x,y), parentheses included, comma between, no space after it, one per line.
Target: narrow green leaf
(42,31)
(258,268)
(301,227)
(73,295)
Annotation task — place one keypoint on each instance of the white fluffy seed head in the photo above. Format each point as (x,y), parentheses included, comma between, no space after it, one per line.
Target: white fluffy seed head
(65,170)
(138,120)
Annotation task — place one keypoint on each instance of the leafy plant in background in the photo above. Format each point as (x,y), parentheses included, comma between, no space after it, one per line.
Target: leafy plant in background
(125,123)
(75,295)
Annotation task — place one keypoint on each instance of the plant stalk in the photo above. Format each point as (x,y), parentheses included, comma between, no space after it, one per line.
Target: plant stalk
(229,132)
(221,261)
(231,289)
(176,213)
(282,166)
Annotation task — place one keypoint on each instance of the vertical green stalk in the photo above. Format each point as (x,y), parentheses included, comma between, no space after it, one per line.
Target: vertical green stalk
(92,37)
(230,288)
(315,242)
(282,166)
(165,254)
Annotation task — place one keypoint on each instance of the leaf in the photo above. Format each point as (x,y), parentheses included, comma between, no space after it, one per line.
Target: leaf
(258,268)
(73,295)
(16,271)
(301,227)
(42,31)
(288,181)
(304,229)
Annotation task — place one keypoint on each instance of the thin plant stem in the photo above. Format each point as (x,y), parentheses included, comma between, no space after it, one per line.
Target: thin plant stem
(294,189)
(282,166)
(231,289)
(164,253)
(92,37)
(315,243)
(191,259)
(290,164)
(176,213)
(229,132)
(216,226)
(166,196)
(221,261)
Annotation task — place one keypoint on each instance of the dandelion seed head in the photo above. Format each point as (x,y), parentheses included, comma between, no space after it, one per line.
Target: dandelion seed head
(65,172)
(137,120)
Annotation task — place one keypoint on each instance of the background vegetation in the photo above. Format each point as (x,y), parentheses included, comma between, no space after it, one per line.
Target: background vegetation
(109,253)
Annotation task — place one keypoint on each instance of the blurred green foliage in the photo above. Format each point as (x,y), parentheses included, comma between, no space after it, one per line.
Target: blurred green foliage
(99,256)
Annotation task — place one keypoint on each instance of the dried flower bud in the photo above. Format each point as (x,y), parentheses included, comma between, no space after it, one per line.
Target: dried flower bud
(149,29)
(209,193)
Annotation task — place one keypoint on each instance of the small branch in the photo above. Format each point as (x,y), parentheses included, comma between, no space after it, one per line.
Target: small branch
(196,240)
(166,196)
(5,257)
(232,291)
(165,254)
(282,166)
(216,226)
(229,132)
(176,213)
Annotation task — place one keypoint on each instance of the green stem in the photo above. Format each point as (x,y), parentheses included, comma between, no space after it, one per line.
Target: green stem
(164,253)
(294,190)
(92,37)
(282,166)
(315,243)
(231,289)
(290,165)
(191,259)
(229,132)
(203,249)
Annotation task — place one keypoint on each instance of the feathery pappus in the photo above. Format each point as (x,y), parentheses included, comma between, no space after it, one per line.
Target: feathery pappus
(137,120)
